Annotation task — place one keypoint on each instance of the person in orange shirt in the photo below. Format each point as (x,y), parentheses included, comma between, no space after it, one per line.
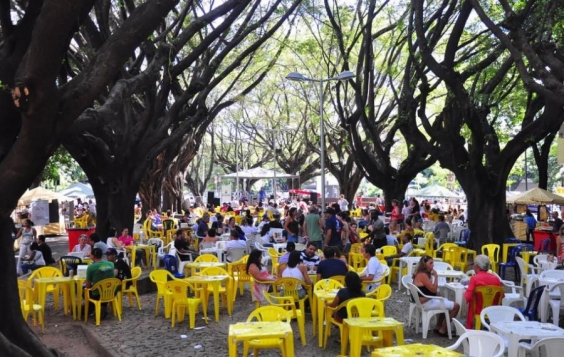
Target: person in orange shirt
(481,278)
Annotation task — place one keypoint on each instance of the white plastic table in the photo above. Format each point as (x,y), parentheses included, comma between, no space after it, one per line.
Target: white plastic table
(459,291)
(515,331)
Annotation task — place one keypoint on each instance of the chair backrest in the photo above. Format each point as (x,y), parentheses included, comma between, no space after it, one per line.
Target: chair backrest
(513,253)
(459,326)
(414,291)
(492,251)
(531,309)
(235,254)
(168,224)
(213,271)
(464,235)
(107,288)
(327,285)
(512,240)
(429,244)
(355,248)
(26,295)
(442,266)
(500,314)
(383,292)
(556,274)
(268,313)
(365,307)
(179,289)
(291,287)
(406,279)
(389,250)
(549,346)
(170,263)
(157,242)
(357,260)
(487,295)
(544,244)
(537,259)
(207,258)
(481,343)
(45,272)
(69,262)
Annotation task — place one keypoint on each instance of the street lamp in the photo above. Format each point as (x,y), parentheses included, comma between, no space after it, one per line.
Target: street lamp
(298,77)
(284,128)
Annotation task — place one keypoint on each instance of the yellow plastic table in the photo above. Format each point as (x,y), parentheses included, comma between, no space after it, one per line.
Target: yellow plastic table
(416,349)
(256,330)
(148,249)
(215,283)
(505,250)
(354,328)
(195,268)
(322,296)
(66,282)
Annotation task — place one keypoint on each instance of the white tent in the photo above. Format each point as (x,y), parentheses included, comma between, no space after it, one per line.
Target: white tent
(436,191)
(258,173)
(40,193)
(78,189)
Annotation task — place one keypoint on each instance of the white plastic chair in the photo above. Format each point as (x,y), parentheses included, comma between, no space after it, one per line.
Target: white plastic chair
(516,294)
(233,255)
(557,305)
(550,346)
(459,327)
(527,280)
(442,266)
(537,259)
(265,255)
(405,280)
(159,248)
(426,315)
(500,314)
(480,343)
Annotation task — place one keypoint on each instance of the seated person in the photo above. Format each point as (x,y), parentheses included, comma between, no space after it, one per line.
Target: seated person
(82,246)
(34,260)
(121,269)
(182,246)
(374,269)
(210,237)
(267,240)
(391,240)
(233,243)
(309,256)
(45,250)
(330,265)
(441,229)
(98,271)
(126,240)
(426,279)
(481,278)
(352,289)
(290,247)
(404,252)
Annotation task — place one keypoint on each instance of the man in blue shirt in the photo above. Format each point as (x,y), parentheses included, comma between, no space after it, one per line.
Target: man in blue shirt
(262,195)
(332,229)
(202,230)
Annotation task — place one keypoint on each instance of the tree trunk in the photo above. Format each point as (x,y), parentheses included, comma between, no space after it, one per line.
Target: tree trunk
(395,189)
(541,159)
(16,337)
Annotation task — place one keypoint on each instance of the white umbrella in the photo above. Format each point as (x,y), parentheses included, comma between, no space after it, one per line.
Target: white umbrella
(78,189)
(436,191)
(40,193)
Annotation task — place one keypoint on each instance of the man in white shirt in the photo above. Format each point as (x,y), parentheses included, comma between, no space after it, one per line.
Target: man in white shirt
(404,252)
(233,243)
(374,269)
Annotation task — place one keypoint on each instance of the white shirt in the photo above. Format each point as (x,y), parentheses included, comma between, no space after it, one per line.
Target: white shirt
(376,269)
(248,230)
(235,243)
(407,248)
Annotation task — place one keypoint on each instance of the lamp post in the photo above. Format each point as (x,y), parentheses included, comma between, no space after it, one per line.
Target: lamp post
(298,77)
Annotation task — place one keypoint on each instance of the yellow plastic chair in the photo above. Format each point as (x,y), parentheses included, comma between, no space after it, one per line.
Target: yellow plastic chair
(327,285)
(29,306)
(492,251)
(160,278)
(443,248)
(358,261)
(238,272)
(389,250)
(490,295)
(330,320)
(108,292)
(239,220)
(226,289)
(288,303)
(366,307)
(149,233)
(48,272)
(458,257)
(381,293)
(429,244)
(270,314)
(181,301)
(274,255)
(132,290)
(381,280)
(207,258)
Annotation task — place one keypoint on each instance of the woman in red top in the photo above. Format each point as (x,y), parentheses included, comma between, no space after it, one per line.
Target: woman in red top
(481,278)
(396,217)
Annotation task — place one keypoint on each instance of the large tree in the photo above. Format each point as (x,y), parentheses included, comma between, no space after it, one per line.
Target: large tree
(484,73)
(42,104)
(182,77)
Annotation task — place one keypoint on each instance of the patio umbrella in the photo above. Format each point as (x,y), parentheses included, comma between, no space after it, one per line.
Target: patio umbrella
(40,193)
(538,196)
(436,191)
(78,189)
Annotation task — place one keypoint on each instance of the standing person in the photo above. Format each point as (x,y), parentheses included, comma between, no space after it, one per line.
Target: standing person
(426,279)
(352,289)
(481,278)
(262,195)
(359,199)
(34,260)
(292,226)
(343,203)
(441,229)
(121,269)
(98,271)
(345,231)
(377,234)
(557,222)
(45,250)
(531,224)
(374,269)
(405,211)
(396,218)
(28,235)
(313,226)
(332,229)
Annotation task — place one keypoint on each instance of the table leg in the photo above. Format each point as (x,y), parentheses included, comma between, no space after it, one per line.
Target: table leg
(232,342)
(72,288)
(314,314)
(399,335)
(215,286)
(355,339)
(230,296)
(79,292)
(320,319)
(401,266)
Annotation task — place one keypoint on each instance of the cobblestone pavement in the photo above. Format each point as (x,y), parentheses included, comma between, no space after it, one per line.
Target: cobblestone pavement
(140,333)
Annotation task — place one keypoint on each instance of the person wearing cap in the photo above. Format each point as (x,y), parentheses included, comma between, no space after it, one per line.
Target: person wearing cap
(121,269)
(98,271)
(332,229)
